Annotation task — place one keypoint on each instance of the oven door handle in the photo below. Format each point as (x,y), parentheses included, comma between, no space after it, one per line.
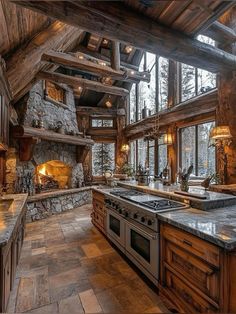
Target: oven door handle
(149,236)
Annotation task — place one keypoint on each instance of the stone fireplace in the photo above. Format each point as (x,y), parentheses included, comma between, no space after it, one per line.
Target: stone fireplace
(53,174)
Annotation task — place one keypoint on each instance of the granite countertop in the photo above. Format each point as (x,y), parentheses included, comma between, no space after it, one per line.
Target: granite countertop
(217,226)
(212,199)
(9,218)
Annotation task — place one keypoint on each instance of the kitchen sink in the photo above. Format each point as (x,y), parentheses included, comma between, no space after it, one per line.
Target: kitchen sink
(5,205)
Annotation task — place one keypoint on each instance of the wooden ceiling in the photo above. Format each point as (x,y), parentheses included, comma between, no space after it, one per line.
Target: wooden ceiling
(187,16)
(18,25)
(129,19)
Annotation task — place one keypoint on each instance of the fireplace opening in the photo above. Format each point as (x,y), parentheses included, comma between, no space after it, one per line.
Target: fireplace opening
(53,175)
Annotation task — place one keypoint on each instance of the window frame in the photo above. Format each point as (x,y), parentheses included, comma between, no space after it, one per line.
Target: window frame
(196,125)
(91,118)
(54,101)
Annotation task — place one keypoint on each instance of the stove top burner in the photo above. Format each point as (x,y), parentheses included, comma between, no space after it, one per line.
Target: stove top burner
(163,204)
(126,193)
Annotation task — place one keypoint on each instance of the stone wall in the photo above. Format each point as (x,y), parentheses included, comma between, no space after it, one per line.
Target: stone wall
(36,106)
(41,209)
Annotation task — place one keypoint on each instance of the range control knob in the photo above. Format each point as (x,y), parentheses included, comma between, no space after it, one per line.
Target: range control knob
(149,222)
(120,211)
(126,214)
(142,219)
(135,216)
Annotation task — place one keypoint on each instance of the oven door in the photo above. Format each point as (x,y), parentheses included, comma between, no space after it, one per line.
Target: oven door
(142,247)
(116,229)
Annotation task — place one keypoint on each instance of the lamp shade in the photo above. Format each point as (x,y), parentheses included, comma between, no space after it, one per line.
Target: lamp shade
(220,132)
(168,139)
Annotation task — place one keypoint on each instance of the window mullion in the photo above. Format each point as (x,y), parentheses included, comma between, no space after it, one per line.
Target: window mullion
(196,150)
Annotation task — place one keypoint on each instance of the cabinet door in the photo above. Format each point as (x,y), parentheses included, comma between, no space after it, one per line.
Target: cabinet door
(7,280)
(202,275)
(191,301)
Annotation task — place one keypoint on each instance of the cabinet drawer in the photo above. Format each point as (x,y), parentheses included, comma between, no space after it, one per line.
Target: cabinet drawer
(192,244)
(203,276)
(186,296)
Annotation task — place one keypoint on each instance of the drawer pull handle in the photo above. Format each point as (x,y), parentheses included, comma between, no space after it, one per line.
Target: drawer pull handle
(187,242)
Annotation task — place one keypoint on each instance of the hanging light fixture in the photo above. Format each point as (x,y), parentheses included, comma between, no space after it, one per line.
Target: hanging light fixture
(125,148)
(108,102)
(221,133)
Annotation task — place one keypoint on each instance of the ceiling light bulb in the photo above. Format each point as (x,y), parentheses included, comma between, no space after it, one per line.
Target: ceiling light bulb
(81,57)
(108,104)
(128,49)
(132,72)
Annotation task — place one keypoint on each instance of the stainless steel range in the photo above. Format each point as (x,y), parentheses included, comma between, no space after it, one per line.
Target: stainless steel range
(133,226)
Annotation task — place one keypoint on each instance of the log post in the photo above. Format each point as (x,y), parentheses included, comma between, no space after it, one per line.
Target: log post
(115,55)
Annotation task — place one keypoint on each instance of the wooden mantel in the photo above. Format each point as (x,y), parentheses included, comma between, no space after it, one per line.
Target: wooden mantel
(29,136)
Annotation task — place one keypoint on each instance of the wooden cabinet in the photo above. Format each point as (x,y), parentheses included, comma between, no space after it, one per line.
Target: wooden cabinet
(10,255)
(99,211)
(190,271)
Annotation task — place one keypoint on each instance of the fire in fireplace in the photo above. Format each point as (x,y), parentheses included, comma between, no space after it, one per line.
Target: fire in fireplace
(53,174)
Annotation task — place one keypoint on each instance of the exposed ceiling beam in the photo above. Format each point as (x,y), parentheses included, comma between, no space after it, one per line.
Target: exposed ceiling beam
(84,83)
(221,33)
(115,55)
(112,20)
(106,58)
(24,64)
(82,62)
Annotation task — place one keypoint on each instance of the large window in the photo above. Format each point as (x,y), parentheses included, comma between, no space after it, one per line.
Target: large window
(142,152)
(103,158)
(151,157)
(133,149)
(161,155)
(195,150)
(102,123)
(132,104)
(147,91)
(163,74)
(196,81)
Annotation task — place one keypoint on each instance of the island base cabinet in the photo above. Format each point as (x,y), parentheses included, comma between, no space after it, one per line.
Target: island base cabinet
(191,273)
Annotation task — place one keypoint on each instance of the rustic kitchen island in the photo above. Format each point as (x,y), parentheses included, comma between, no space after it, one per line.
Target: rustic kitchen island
(197,252)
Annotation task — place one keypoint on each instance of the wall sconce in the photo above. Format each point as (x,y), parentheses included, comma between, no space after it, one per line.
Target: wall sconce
(221,137)
(168,139)
(125,148)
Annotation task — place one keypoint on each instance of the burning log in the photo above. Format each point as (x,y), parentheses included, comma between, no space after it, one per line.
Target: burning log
(47,182)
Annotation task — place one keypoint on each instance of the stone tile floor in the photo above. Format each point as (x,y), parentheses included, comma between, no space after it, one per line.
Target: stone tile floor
(67,266)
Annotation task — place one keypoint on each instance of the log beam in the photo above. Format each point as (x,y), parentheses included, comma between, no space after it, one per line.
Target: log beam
(115,55)
(95,66)
(99,56)
(221,33)
(25,63)
(115,22)
(84,83)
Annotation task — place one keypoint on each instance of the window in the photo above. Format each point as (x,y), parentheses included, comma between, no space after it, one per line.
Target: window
(103,158)
(147,91)
(54,92)
(195,150)
(133,149)
(163,72)
(142,152)
(151,157)
(196,81)
(102,123)
(161,155)
(132,104)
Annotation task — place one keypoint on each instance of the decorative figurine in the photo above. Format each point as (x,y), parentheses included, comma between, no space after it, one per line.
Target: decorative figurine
(184,178)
